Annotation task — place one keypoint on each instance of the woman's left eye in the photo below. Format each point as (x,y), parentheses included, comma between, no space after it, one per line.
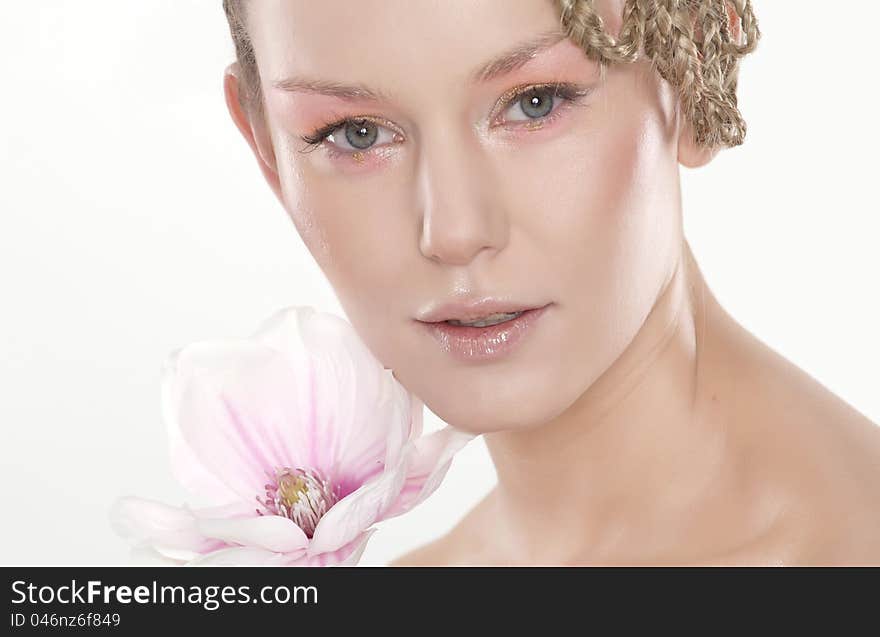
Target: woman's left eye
(355,136)
(537,103)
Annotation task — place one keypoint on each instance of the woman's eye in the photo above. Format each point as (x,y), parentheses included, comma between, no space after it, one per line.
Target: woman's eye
(352,135)
(360,134)
(537,103)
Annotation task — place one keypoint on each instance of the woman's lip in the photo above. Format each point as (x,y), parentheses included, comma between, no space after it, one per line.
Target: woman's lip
(468,343)
(471,309)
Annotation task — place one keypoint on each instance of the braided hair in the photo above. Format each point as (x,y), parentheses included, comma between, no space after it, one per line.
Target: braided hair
(695,45)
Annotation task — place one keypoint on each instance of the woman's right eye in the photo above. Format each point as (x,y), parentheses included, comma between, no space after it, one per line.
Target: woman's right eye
(352,135)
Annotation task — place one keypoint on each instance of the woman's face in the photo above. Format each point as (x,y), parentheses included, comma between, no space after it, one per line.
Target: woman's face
(456,190)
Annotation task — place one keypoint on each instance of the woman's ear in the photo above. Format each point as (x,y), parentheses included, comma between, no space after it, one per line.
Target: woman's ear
(690,154)
(252,127)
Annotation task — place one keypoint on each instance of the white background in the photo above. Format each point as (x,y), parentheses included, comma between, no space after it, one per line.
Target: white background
(133,219)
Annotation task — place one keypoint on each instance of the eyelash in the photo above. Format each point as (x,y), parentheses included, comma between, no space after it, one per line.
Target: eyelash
(569,93)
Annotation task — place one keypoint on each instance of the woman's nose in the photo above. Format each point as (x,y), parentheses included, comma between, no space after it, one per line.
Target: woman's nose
(462,210)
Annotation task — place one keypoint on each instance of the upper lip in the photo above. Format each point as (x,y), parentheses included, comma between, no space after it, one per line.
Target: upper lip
(472,309)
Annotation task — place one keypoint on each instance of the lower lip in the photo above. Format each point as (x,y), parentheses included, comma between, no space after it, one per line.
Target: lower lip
(469,344)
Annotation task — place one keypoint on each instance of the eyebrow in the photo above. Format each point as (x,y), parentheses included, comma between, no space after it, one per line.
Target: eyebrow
(507,62)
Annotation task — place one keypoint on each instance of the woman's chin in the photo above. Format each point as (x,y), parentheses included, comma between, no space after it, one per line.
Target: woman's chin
(481,416)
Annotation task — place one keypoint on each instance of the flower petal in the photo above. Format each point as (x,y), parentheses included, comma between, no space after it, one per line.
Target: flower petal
(354,513)
(239,406)
(270,532)
(417,416)
(186,466)
(348,555)
(431,457)
(238,556)
(152,523)
(356,402)
(356,547)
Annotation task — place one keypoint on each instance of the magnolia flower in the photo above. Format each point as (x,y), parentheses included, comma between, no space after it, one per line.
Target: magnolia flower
(301,438)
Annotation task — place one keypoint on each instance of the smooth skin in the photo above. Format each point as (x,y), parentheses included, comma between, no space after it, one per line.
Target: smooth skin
(639,423)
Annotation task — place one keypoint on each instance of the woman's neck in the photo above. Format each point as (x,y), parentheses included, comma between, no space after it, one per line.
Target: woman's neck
(642,447)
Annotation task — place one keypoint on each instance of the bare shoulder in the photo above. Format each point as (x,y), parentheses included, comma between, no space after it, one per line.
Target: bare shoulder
(821,456)
(461,545)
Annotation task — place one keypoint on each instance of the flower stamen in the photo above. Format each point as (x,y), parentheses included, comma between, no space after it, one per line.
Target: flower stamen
(301,495)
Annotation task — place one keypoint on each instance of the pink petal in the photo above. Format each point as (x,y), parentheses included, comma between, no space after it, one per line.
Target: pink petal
(353,514)
(430,459)
(348,555)
(417,412)
(357,403)
(185,464)
(270,532)
(238,556)
(240,409)
(152,523)
(356,547)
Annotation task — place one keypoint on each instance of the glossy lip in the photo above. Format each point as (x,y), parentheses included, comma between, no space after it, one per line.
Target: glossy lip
(472,309)
(472,344)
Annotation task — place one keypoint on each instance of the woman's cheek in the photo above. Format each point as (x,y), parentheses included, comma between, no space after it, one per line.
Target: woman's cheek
(361,237)
(354,164)
(333,219)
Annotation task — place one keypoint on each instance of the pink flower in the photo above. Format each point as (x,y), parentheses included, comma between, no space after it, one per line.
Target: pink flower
(299,435)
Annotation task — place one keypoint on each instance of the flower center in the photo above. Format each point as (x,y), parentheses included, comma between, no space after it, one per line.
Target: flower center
(299,494)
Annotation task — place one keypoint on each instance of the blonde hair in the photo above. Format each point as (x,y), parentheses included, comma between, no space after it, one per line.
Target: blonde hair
(695,45)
